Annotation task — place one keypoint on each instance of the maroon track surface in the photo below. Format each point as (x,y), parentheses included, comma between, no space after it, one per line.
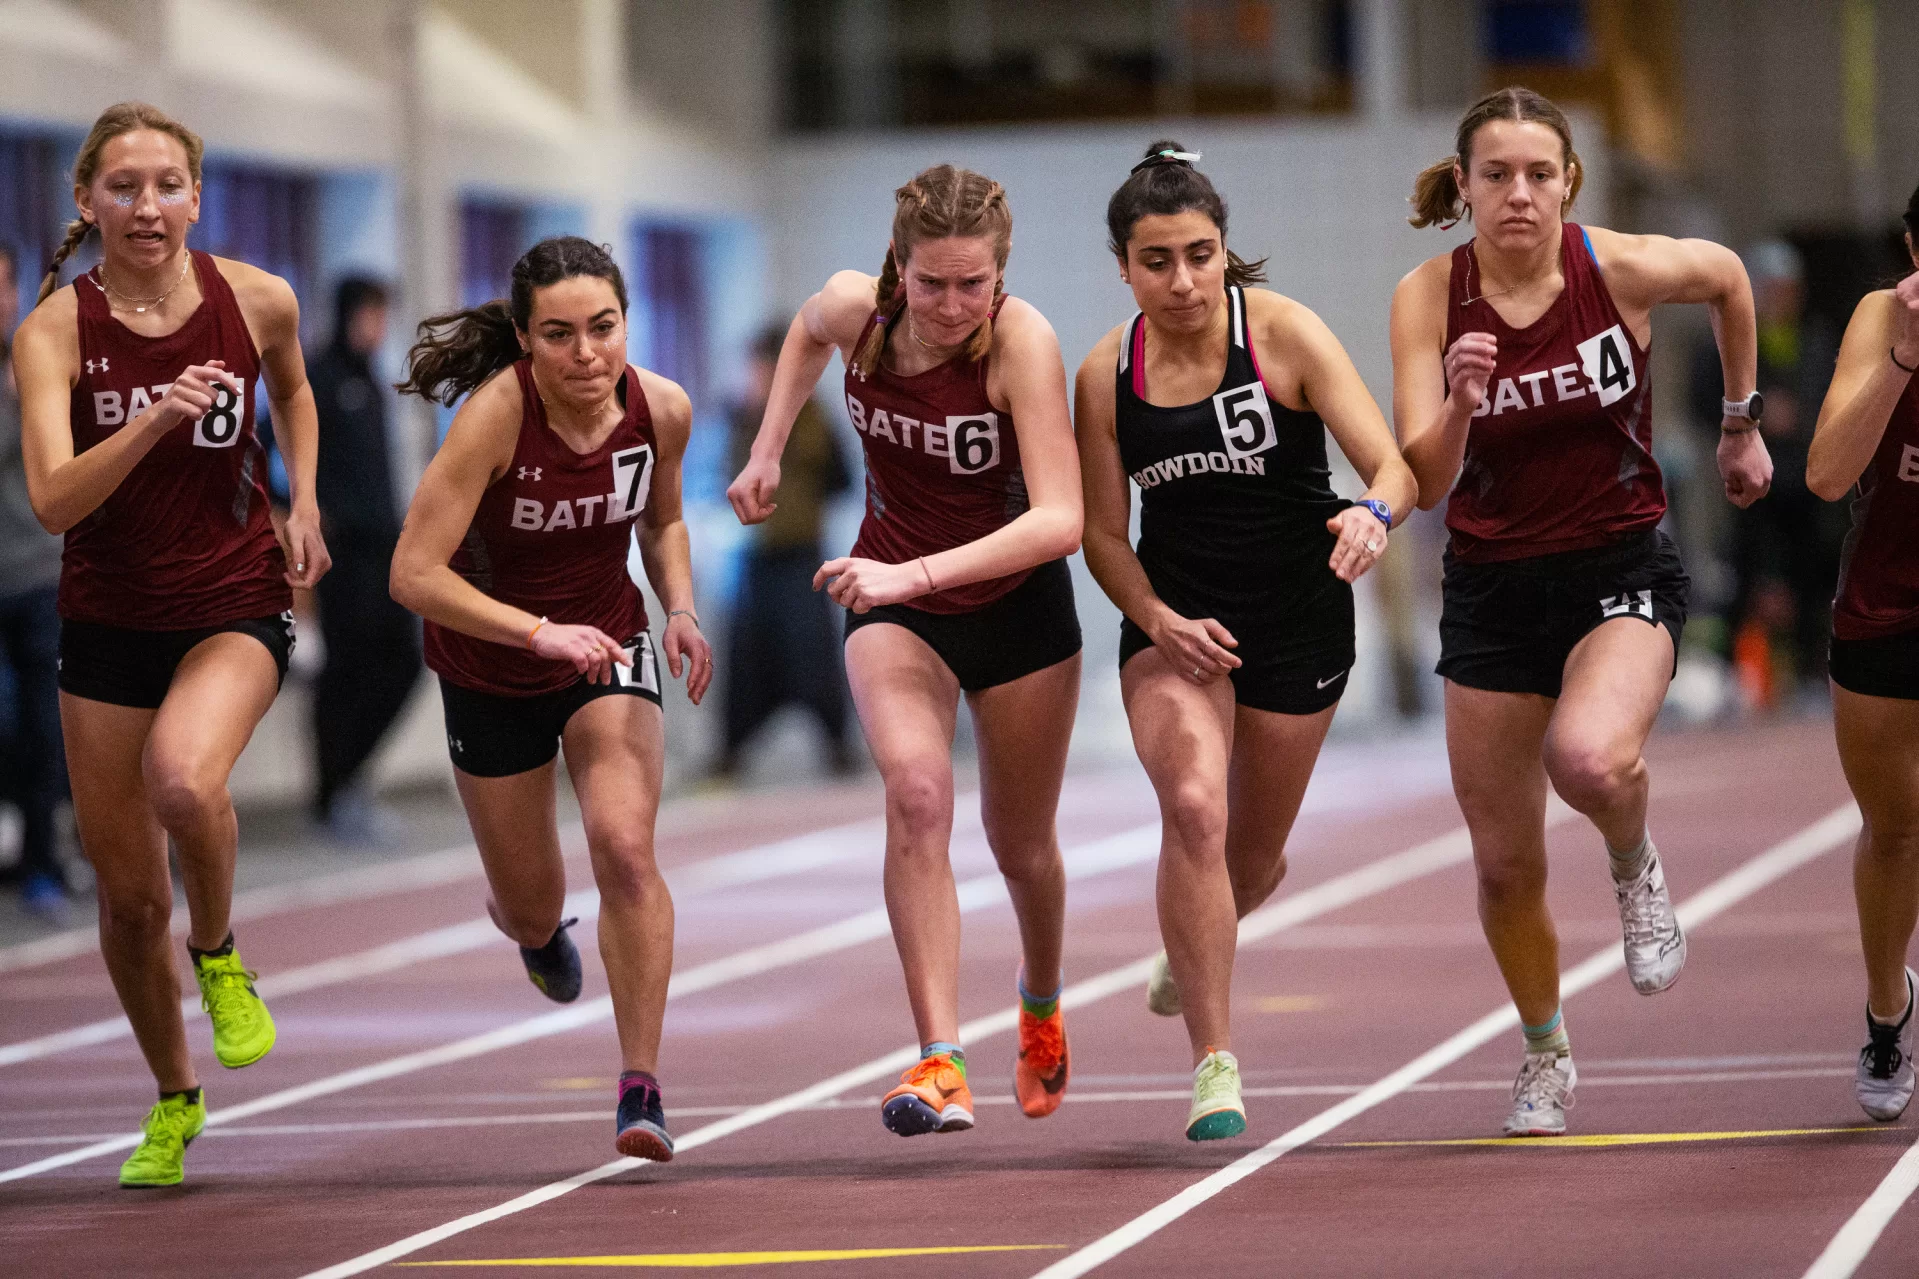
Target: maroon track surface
(1758,1037)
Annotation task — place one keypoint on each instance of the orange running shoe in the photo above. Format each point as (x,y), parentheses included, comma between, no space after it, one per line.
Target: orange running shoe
(1039,1077)
(932,1097)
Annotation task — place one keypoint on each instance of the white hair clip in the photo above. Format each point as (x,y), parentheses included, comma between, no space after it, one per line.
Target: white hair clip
(1168,156)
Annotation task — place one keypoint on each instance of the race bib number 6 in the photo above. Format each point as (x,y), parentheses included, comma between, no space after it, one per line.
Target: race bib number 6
(974,442)
(219,426)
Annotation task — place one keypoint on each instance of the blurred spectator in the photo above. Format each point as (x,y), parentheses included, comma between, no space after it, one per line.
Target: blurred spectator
(1785,548)
(785,640)
(372,644)
(33,765)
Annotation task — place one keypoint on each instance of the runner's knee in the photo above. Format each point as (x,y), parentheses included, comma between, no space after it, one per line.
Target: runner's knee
(184,797)
(919,801)
(134,917)
(1195,815)
(1510,881)
(624,871)
(1592,774)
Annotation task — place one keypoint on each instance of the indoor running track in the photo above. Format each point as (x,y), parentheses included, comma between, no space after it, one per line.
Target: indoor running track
(426,1108)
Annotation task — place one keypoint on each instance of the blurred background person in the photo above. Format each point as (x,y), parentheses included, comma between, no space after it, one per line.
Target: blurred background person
(784,648)
(34,774)
(372,644)
(1784,551)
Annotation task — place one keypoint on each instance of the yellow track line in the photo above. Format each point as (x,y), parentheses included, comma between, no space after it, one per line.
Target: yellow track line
(1584,1140)
(663,1260)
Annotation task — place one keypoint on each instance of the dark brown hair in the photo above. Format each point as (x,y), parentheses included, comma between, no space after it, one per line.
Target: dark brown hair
(457,352)
(1164,184)
(938,203)
(1912,215)
(1436,197)
(120,118)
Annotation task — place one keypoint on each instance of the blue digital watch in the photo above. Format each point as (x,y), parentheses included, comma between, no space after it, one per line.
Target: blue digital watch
(1380,510)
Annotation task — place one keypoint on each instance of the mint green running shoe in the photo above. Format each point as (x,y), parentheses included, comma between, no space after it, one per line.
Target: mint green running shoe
(242,1027)
(1217,1110)
(169,1128)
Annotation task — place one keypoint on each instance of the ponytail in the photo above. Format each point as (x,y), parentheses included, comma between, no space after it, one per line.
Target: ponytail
(77,232)
(1240,273)
(457,352)
(1436,197)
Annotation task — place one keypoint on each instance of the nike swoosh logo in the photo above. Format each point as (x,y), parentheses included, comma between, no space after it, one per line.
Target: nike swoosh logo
(1323,683)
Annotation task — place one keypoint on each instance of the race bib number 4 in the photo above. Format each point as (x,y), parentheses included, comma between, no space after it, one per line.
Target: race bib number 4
(219,427)
(1607,361)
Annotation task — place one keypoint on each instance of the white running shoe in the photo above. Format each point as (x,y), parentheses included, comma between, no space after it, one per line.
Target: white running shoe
(1655,944)
(1162,992)
(1217,1110)
(1542,1095)
(1884,1080)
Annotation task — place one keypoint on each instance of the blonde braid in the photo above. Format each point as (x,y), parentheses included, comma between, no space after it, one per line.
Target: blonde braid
(77,232)
(982,340)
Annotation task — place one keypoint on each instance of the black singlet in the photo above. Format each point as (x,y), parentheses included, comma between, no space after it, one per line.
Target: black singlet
(1234,498)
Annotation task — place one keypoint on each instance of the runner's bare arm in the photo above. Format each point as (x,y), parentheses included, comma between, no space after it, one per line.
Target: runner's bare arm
(830,320)
(665,549)
(273,314)
(478,450)
(65,488)
(1434,391)
(1866,386)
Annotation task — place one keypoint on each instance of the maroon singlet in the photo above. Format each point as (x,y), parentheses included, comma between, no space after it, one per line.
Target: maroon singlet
(1879,571)
(1559,456)
(184,541)
(551,537)
(942,468)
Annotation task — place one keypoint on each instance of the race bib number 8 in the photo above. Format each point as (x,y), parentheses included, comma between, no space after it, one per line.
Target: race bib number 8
(1245,420)
(219,427)
(1607,360)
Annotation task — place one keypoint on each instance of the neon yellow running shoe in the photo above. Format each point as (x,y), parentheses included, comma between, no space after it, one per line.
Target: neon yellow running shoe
(242,1027)
(1217,1110)
(170,1127)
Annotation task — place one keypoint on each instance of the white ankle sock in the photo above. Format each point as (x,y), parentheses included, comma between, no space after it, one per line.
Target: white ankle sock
(1629,864)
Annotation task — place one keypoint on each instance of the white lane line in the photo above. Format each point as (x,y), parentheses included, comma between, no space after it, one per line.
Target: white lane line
(811,851)
(1077,1098)
(1451,849)
(1829,832)
(1855,1239)
(1114,852)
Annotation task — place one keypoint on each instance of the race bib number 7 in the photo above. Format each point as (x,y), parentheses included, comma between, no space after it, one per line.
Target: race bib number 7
(632,477)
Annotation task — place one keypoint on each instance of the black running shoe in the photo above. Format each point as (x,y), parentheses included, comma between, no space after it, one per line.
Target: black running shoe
(640,1129)
(555,967)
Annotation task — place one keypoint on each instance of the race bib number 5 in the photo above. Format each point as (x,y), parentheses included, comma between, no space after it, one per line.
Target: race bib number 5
(1245,420)
(219,427)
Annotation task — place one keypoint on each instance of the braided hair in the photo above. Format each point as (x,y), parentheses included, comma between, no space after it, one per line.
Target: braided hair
(1165,183)
(936,204)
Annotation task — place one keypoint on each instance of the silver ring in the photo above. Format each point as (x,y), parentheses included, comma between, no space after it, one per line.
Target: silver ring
(299,568)
(1373,547)
(1196,672)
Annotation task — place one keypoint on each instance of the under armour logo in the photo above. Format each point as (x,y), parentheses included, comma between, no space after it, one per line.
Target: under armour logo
(102,362)
(535,472)
(1627,604)
(454,742)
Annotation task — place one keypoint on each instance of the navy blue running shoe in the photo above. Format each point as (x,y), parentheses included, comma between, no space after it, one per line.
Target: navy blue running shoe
(640,1130)
(555,967)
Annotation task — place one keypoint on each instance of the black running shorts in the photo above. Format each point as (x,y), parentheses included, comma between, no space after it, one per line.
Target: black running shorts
(1287,686)
(493,735)
(135,668)
(1031,627)
(1886,666)
(1509,626)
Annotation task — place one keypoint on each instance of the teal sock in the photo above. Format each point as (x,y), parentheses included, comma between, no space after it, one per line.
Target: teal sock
(1628,864)
(1549,1038)
(954,1051)
(1041,1008)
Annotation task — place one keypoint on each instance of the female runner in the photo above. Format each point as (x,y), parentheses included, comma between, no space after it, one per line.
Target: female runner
(1244,570)
(1520,368)
(956,585)
(515,553)
(136,396)
(1868,434)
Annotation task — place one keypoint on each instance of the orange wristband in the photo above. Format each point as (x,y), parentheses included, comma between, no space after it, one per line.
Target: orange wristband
(535,631)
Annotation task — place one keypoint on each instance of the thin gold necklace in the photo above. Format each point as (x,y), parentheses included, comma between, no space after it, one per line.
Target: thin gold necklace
(1472,265)
(140,305)
(914,329)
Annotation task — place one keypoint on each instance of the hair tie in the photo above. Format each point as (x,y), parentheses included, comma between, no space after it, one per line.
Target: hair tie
(1168,156)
